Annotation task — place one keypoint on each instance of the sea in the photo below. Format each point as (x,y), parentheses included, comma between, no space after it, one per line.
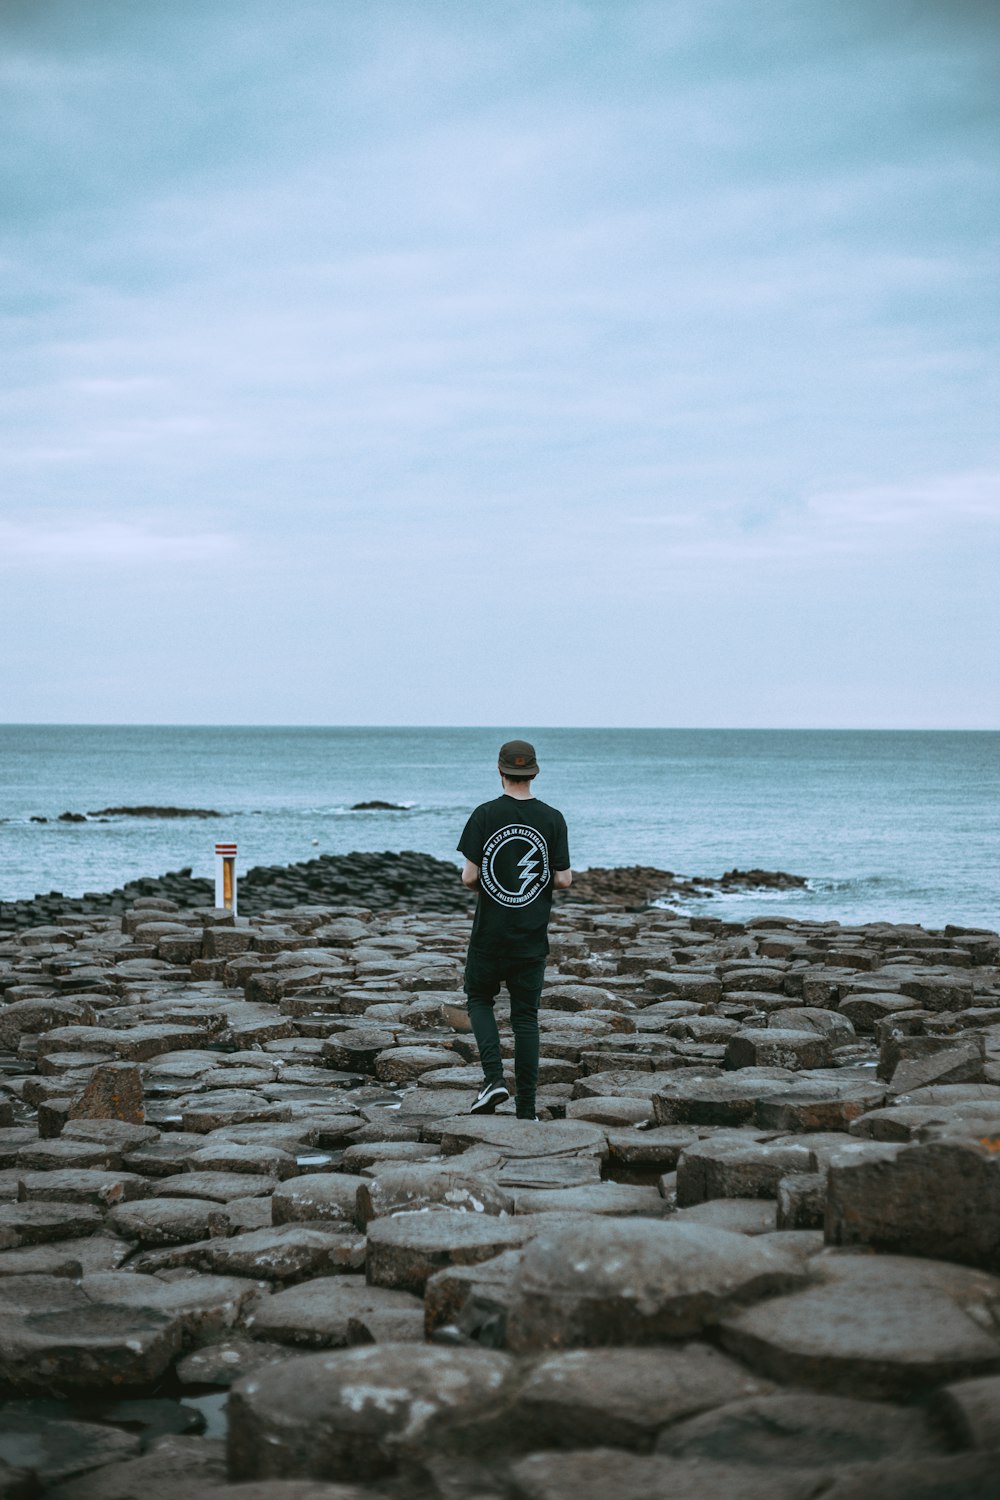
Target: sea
(900,826)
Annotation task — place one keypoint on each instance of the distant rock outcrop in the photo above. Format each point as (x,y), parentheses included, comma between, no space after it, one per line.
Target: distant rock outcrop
(152,812)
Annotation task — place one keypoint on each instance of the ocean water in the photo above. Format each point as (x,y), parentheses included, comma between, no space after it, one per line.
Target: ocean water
(885,825)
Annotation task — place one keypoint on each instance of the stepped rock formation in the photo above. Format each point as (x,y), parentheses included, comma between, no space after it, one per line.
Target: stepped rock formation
(752,1247)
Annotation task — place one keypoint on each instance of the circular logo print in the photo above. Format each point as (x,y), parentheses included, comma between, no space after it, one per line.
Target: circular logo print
(515,867)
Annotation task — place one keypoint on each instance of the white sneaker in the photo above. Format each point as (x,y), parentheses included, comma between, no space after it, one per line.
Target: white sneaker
(489,1096)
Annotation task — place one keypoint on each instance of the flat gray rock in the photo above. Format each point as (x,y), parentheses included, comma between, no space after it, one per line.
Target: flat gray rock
(616,1199)
(735,1167)
(41,1222)
(624,1397)
(224,1363)
(407,1248)
(801,1430)
(216,1187)
(960,1476)
(318,1314)
(201,1305)
(81,1185)
(717,1099)
(288,1252)
(57,1448)
(600,1473)
(636,1282)
(736,1215)
(430,1185)
(168,1221)
(92,1346)
(319,1195)
(879,1326)
(518,1137)
(174,1468)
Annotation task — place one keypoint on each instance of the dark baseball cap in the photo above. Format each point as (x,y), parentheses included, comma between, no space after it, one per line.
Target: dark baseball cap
(517,758)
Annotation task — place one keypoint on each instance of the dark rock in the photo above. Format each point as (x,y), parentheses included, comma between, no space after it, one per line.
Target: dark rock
(365,1413)
(969,1410)
(735,1167)
(318,1314)
(113,1093)
(941,1199)
(875,1326)
(154,812)
(800,1431)
(429,1185)
(46,1444)
(404,1250)
(636,1282)
(624,1397)
(598,1473)
(175,1468)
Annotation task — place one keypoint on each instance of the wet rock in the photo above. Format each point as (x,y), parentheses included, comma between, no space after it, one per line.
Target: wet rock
(636,1282)
(882,1326)
(365,1413)
(204,1112)
(201,1306)
(232,1157)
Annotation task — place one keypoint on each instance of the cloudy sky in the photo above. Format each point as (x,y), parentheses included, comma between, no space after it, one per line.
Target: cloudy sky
(489,362)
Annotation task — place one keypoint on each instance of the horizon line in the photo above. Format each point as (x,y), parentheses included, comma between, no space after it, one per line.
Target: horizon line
(503,729)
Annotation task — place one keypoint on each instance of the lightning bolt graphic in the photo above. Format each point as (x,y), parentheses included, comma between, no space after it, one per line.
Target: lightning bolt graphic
(528,866)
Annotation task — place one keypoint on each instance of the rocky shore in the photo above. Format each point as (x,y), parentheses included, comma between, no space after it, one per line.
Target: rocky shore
(416,881)
(253,1245)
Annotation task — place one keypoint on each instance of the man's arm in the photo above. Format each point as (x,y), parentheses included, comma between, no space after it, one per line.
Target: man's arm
(470,875)
(562,880)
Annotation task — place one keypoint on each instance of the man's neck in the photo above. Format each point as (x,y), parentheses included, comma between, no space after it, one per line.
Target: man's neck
(521,792)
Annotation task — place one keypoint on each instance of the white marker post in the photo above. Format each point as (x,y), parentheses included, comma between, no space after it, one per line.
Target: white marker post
(225,876)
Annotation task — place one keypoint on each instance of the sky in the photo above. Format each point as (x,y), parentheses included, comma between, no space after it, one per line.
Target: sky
(585,362)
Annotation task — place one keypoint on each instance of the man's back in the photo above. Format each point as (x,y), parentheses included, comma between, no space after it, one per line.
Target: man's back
(517,842)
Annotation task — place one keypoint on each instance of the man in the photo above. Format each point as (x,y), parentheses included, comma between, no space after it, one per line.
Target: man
(516,853)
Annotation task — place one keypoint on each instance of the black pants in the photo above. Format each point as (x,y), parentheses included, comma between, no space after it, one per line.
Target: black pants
(484,974)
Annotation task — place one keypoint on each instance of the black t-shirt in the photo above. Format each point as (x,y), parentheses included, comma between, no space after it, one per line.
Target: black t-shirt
(517,843)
